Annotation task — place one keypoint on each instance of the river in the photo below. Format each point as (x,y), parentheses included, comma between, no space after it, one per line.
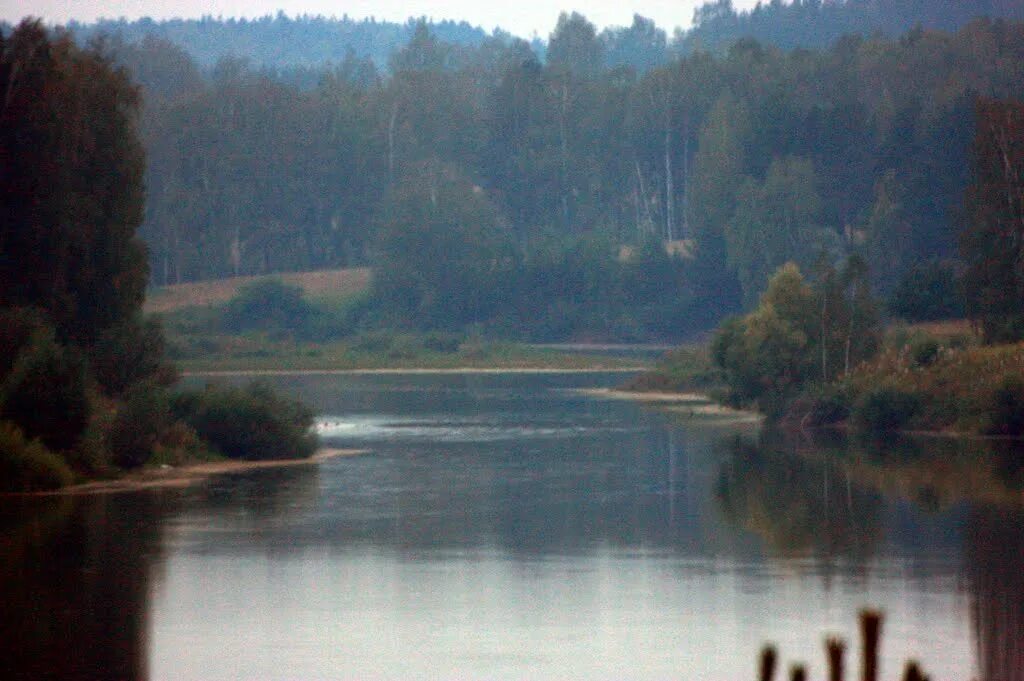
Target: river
(508,527)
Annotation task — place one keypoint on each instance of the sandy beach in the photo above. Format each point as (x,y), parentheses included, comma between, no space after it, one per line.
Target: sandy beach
(171,477)
(420,370)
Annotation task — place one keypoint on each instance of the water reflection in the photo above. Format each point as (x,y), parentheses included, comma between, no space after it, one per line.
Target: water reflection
(76,576)
(799,507)
(995,577)
(533,532)
(828,496)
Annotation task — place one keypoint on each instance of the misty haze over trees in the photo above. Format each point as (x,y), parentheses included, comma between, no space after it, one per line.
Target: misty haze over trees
(533,194)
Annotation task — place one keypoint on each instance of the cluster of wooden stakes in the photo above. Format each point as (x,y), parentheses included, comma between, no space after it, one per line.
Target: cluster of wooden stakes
(835,649)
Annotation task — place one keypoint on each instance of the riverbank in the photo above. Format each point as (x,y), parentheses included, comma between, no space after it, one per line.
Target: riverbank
(426,371)
(687,404)
(258,357)
(179,477)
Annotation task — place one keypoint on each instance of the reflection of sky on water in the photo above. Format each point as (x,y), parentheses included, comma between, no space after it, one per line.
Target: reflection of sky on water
(360,429)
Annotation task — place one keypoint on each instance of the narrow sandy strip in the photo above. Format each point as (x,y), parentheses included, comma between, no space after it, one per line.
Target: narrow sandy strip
(638,396)
(717,412)
(185,476)
(418,370)
(696,405)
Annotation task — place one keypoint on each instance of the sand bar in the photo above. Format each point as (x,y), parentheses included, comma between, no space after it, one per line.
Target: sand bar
(415,370)
(171,477)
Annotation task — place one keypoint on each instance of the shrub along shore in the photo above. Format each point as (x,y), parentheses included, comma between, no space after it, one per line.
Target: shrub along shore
(918,383)
(803,369)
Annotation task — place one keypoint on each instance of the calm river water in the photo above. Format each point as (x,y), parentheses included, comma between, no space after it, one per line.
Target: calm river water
(506,527)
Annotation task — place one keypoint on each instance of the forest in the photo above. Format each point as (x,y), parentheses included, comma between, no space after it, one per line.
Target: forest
(302,44)
(563,198)
(85,384)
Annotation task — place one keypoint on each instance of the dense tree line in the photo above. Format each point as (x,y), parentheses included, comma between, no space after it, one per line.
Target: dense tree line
(302,44)
(818,23)
(742,161)
(993,245)
(279,40)
(83,377)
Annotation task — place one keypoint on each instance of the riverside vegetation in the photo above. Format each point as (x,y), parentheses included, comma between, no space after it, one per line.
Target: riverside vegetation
(86,389)
(814,354)
(799,364)
(270,325)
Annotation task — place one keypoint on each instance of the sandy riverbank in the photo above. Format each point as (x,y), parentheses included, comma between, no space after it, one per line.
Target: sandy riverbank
(171,477)
(420,370)
(638,396)
(696,405)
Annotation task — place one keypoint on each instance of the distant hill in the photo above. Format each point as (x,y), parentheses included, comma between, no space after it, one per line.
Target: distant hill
(279,40)
(285,42)
(819,23)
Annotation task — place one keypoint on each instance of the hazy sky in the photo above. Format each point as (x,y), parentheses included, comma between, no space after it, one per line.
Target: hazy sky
(522,17)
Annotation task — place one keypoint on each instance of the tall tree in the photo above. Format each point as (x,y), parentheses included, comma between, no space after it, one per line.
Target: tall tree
(993,238)
(71,188)
(776,221)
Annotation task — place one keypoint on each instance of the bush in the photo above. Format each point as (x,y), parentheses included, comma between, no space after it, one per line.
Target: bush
(248,423)
(373,342)
(27,465)
(828,404)
(1007,408)
(269,305)
(45,394)
(923,351)
(138,426)
(437,341)
(927,292)
(885,409)
(18,325)
(129,353)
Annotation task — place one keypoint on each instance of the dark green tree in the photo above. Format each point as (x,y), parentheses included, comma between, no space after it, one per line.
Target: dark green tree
(71,188)
(444,255)
(993,238)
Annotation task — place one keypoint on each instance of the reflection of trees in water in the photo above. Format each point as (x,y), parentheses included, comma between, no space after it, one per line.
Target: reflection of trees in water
(933,473)
(261,508)
(76,578)
(787,493)
(798,506)
(994,564)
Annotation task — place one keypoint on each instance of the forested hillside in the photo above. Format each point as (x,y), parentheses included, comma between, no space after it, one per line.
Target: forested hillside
(819,23)
(300,43)
(569,171)
(280,41)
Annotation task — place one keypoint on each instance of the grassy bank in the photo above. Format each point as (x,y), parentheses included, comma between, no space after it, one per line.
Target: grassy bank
(934,378)
(926,385)
(685,370)
(383,351)
(317,322)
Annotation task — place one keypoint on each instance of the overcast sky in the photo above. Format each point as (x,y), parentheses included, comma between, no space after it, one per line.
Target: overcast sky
(522,17)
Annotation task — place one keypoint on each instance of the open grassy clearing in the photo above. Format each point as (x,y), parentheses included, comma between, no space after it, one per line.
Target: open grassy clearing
(320,285)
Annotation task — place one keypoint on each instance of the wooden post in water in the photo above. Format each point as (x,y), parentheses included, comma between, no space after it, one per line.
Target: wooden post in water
(798,673)
(914,673)
(835,647)
(768,658)
(870,631)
